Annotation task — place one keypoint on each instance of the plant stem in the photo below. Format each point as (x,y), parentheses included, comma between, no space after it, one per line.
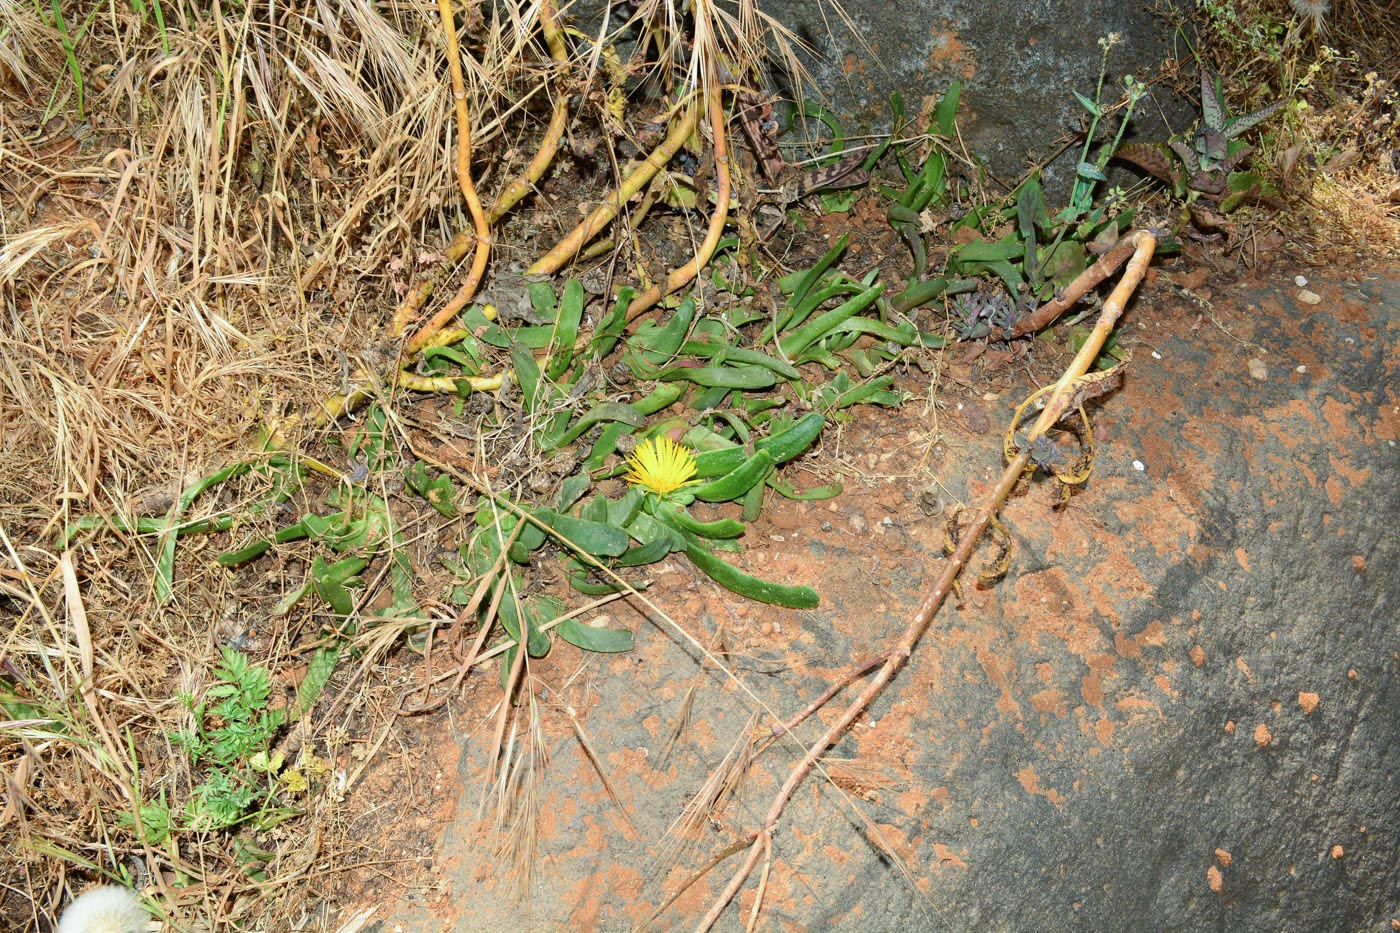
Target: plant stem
(681,277)
(604,213)
(1143,244)
(464,180)
(513,192)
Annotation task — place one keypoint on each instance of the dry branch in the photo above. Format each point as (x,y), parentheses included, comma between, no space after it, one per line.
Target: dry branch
(1140,245)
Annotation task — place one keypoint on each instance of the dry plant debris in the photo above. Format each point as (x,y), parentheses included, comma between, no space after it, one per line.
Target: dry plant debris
(207,217)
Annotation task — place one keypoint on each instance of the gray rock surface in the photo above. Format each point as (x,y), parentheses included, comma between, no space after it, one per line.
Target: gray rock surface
(1019,63)
(1179,711)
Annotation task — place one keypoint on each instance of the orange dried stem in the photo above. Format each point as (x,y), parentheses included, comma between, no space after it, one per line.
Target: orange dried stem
(567,248)
(464,181)
(683,276)
(1141,245)
(525,182)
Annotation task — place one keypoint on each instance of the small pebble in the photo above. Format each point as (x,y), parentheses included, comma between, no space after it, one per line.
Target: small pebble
(1156,355)
(1257,369)
(1301,281)
(1309,297)
(1139,466)
(1262,735)
(1338,852)
(1301,369)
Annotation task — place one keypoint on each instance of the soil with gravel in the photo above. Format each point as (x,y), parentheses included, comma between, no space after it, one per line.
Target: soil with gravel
(1177,710)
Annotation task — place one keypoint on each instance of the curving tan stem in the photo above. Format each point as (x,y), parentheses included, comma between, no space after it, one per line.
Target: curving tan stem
(464,180)
(567,248)
(513,192)
(683,276)
(1142,244)
(525,182)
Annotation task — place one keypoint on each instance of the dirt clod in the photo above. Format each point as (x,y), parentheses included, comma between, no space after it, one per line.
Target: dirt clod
(1214,879)
(1308,701)
(1262,735)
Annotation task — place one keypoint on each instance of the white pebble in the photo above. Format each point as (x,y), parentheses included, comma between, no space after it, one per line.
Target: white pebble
(1139,466)
(1301,281)
(1156,355)
(1309,297)
(1302,369)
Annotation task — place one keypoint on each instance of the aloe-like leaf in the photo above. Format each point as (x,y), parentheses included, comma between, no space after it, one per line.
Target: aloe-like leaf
(815,493)
(946,112)
(607,411)
(610,329)
(749,586)
(1187,155)
(603,447)
(663,396)
(654,344)
(1152,158)
(735,483)
(566,326)
(1030,208)
(605,640)
(1236,126)
(467,360)
(644,554)
(533,391)
(438,489)
(530,538)
(331,582)
(1088,104)
(931,183)
(318,673)
(623,510)
(244,554)
(594,538)
(1212,104)
(802,283)
(1008,247)
(746,378)
(741,355)
(574,486)
(874,392)
(919,293)
(681,520)
(795,342)
(648,531)
(535,612)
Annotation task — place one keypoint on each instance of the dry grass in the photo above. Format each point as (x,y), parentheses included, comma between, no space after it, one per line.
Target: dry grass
(215,243)
(202,247)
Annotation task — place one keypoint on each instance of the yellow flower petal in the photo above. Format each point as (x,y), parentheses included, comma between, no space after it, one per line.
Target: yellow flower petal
(661,465)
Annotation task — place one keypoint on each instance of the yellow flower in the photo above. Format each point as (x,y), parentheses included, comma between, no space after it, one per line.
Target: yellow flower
(661,465)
